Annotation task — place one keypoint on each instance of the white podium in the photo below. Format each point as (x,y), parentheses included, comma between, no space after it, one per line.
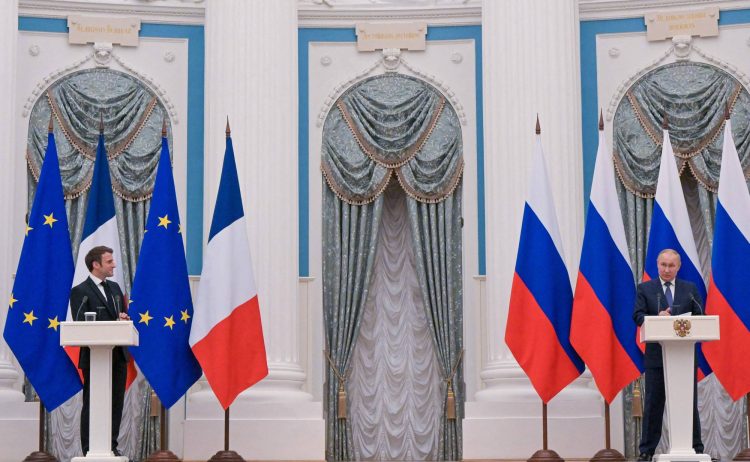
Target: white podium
(677,336)
(100,337)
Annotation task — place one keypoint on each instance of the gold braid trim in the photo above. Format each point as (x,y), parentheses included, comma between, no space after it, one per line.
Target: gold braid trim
(414,194)
(76,142)
(83,186)
(626,183)
(658,138)
(699,178)
(372,151)
(117,149)
(341,195)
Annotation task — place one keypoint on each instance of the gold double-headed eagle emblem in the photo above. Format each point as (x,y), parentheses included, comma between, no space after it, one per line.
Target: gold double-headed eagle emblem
(681,327)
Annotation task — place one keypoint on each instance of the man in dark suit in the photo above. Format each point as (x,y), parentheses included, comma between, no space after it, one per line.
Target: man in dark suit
(664,296)
(97,294)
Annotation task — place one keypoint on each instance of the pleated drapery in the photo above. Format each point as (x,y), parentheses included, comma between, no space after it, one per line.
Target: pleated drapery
(693,97)
(385,129)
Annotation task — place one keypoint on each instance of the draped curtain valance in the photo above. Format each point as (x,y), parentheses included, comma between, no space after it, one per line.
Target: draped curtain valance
(392,124)
(693,96)
(132,117)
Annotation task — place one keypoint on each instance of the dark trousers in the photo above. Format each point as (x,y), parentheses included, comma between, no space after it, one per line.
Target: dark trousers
(119,375)
(653,413)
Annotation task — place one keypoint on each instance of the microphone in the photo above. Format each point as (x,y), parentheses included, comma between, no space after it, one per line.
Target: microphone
(83,302)
(700,308)
(658,302)
(117,306)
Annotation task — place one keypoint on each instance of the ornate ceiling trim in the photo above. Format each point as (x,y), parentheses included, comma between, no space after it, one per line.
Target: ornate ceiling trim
(619,9)
(160,11)
(340,13)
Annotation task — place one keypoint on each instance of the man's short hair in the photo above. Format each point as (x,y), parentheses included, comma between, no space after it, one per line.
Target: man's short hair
(95,255)
(672,251)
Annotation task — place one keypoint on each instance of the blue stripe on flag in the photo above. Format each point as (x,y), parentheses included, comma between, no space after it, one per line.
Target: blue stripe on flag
(662,236)
(228,199)
(729,274)
(610,276)
(101,204)
(542,269)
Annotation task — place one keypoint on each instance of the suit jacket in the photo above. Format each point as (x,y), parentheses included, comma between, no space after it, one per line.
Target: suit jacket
(96,301)
(650,300)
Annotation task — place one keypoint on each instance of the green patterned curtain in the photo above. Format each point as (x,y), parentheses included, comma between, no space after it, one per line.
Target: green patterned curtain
(391,127)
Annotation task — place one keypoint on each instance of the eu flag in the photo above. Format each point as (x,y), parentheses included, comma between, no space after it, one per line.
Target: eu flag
(161,307)
(39,301)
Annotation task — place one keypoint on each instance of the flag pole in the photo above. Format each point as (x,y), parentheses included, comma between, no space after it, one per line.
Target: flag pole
(163,454)
(745,453)
(226,455)
(41,455)
(545,454)
(607,454)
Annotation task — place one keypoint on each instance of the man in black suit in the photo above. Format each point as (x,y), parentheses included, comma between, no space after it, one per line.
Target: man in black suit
(664,296)
(105,298)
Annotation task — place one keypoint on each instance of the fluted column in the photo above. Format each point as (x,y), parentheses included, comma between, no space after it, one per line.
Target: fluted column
(530,66)
(9,375)
(251,77)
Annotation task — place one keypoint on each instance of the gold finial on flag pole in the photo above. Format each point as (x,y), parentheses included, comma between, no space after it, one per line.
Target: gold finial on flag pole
(727,111)
(164,127)
(538,127)
(601,120)
(101,122)
(665,122)
(228,131)
(49,127)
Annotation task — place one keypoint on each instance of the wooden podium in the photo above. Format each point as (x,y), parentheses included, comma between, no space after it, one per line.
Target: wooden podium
(677,336)
(100,337)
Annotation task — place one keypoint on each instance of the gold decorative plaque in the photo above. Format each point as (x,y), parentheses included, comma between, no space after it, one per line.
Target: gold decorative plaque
(682,327)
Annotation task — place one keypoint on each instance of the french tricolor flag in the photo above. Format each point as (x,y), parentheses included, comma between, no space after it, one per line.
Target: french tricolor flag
(670,229)
(729,291)
(100,228)
(227,336)
(538,327)
(602,330)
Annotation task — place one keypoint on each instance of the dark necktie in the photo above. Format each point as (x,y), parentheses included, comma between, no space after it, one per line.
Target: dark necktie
(108,295)
(668,293)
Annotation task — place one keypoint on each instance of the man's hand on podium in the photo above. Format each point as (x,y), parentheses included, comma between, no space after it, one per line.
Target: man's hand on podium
(667,312)
(124,317)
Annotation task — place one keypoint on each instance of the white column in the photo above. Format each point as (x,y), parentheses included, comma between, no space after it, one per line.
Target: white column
(9,375)
(251,77)
(530,60)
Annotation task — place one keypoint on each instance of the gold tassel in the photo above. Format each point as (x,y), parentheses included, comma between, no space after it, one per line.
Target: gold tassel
(450,411)
(342,402)
(636,409)
(155,405)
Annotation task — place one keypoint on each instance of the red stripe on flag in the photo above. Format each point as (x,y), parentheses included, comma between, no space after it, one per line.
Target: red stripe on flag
(232,354)
(593,337)
(533,341)
(732,350)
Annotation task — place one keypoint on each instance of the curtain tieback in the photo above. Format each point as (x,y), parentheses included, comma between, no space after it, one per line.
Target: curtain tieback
(450,399)
(341,395)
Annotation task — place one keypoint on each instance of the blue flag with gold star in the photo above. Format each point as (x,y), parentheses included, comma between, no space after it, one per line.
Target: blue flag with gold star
(160,304)
(39,301)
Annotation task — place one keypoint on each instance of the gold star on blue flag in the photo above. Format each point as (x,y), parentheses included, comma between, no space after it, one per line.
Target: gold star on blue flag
(41,290)
(160,291)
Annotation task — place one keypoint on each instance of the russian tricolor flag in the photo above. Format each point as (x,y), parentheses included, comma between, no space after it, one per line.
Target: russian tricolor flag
(538,328)
(100,228)
(227,336)
(602,330)
(670,229)
(729,291)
